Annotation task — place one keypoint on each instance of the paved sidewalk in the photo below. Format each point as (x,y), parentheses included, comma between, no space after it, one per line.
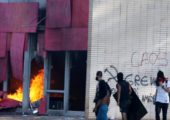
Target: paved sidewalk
(29,117)
(32,117)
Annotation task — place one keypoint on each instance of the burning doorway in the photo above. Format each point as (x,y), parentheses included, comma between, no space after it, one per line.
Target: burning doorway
(36,88)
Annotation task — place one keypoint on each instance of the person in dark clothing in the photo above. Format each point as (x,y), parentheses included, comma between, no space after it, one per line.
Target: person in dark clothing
(124,90)
(102,98)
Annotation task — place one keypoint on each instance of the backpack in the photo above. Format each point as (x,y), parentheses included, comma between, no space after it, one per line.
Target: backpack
(103,89)
(108,88)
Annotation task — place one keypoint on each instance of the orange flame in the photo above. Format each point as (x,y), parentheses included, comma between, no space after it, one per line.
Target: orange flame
(36,89)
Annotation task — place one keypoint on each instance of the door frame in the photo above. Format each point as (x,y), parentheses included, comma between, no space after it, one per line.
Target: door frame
(47,91)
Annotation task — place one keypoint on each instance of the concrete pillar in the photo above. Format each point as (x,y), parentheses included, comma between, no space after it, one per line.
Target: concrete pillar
(27,72)
(47,77)
(66,81)
(47,72)
(5,82)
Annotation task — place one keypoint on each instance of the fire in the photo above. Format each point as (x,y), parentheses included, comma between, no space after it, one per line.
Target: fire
(36,89)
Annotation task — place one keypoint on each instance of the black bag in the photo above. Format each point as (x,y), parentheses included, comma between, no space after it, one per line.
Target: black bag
(136,109)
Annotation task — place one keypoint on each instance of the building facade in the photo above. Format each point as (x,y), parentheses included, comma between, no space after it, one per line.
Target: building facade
(47,37)
(129,36)
(71,40)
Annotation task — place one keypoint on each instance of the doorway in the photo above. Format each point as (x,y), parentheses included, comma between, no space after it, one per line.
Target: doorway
(66,85)
(77,81)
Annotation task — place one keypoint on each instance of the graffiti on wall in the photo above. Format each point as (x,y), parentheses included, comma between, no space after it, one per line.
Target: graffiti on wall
(148,98)
(146,58)
(134,79)
(137,81)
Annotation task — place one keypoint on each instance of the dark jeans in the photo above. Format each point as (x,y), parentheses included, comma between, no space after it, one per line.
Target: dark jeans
(164,107)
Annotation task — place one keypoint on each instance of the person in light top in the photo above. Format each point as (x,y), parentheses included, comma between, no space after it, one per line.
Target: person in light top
(162,95)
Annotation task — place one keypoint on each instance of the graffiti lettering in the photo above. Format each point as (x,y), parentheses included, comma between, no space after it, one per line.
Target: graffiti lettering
(147,98)
(133,79)
(158,59)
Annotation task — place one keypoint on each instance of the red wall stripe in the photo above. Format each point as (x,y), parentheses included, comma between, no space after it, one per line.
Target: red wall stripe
(53,39)
(3,44)
(16,54)
(18,17)
(58,13)
(75,38)
(66,39)
(3,69)
(80,12)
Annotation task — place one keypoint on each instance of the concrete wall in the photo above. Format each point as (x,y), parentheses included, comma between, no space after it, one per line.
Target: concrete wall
(131,36)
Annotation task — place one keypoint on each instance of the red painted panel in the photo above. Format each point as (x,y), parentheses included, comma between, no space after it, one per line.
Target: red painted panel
(66,39)
(53,39)
(3,69)
(75,38)
(42,107)
(18,17)
(58,13)
(16,54)
(9,35)
(26,43)
(3,44)
(80,12)
(9,103)
(3,94)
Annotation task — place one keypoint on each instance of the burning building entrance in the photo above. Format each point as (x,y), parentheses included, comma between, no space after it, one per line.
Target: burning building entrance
(62,44)
(14,95)
(36,89)
(63,88)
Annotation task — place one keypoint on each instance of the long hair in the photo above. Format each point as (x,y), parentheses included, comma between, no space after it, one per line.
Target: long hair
(98,74)
(160,77)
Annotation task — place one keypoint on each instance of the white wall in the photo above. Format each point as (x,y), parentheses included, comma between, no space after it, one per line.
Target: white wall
(134,37)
